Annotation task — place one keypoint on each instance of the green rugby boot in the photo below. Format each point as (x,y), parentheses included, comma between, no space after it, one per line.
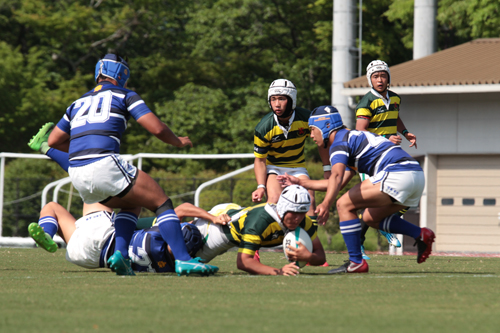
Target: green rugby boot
(120,265)
(42,238)
(39,141)
(194,266)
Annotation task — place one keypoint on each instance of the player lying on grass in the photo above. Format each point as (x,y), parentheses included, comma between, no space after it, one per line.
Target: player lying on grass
(39,143)
(91,239)
(263,225)
(396,181)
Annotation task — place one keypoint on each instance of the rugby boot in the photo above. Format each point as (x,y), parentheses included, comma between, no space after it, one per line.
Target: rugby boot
(194,266)
(120,265)
(351,267)
(424,244)
(39,141)
(391,238)
(42,238)
(363,253)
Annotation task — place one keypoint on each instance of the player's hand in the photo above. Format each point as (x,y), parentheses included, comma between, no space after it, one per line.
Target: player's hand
(322,211)
(287,180)
(327,174)
(184,141)
(412,138)
(258,194)
(298,254)
(289,270)
(222,219)
(396,139)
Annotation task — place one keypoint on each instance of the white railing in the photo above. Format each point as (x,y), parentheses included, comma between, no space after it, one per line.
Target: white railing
(61,182)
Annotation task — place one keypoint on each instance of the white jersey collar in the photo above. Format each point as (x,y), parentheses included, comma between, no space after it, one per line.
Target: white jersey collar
(283,128)
(385,99)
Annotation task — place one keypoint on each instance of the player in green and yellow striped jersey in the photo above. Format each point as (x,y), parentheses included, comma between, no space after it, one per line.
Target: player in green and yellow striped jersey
(378,112)
(279,143)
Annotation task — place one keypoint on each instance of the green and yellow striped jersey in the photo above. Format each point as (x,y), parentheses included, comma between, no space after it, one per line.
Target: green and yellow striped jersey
(383,121)
(257,228)
(282,150)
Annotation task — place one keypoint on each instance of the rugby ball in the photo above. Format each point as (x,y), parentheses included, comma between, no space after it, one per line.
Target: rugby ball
(291,239)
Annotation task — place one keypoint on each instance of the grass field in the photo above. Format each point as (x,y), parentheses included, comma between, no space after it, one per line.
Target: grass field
(42,292)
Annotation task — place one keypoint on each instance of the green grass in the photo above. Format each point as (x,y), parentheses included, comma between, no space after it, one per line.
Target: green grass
(42,292)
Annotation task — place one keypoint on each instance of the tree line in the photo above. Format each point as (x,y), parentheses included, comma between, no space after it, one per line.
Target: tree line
(202,66)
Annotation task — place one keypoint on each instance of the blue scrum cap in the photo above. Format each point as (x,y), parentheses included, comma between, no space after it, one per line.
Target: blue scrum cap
(192,238)
(327,119)
(114,67)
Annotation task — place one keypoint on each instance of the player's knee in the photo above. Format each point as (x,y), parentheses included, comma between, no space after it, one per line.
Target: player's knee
(167,205)
(343,205)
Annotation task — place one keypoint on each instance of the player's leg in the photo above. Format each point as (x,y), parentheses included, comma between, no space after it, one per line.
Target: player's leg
(53,219)
(147,193)
(273,188)
(39,143)
(405,189)
(362,195)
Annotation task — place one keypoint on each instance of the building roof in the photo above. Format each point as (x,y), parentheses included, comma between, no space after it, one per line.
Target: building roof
(470,67)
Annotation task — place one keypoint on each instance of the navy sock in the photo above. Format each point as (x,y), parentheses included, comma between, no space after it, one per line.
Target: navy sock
(396,225)
(125,223)
(351,231)
(59,157)
(49,225)
(170,230)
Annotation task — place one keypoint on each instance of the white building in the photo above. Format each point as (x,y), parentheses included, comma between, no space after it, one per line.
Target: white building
(451,101)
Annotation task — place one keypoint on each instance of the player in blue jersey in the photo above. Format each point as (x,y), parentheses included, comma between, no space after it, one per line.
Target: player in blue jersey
(91,131)
(396,181)
(91,239)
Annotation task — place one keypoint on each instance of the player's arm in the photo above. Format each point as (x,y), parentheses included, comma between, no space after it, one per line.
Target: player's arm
(189,210)
(409,136)
(159,129)
(325,159)
(334,185)
(311,184)
(247,263)
(316,258)
(58,139)
(362,123)
(260,170)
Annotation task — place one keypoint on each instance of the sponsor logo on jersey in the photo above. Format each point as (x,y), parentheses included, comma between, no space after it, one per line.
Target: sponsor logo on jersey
(302,131)
(99,87)
(275,139)
(396,106)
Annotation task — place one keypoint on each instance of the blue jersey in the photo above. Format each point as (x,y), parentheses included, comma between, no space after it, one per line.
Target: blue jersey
(369,153)
(149,252)
(96,122)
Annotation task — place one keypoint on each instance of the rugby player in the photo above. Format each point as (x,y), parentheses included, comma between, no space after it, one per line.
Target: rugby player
(396,181)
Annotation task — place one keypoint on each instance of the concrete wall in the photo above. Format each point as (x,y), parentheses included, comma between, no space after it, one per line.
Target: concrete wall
(452,123)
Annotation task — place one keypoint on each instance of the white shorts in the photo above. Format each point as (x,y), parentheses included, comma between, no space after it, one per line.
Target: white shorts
(272,169)
(102,179)
(216,242)
(405,187)
(86,244)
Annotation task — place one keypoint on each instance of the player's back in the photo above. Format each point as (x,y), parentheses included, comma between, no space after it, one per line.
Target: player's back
(370,153)
(97,120)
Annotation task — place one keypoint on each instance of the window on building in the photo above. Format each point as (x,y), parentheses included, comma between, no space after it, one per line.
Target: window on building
(447,201)
(489,202)
(468,202)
